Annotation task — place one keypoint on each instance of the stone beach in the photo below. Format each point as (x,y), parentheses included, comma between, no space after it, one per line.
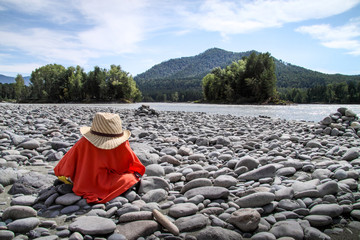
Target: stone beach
(207,177)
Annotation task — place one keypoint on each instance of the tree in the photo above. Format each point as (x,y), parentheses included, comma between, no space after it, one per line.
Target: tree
(330,94)
(19,88)
(246,80)
(260,76)
(46,83)
(95,84)
(121,86)
(175,97)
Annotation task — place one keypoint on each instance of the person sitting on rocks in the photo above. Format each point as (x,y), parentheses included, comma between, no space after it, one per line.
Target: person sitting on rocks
(101,165)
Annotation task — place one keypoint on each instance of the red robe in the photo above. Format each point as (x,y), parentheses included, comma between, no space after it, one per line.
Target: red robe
(100,175)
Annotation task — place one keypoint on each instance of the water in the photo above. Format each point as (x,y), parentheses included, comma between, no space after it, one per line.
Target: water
(303,112)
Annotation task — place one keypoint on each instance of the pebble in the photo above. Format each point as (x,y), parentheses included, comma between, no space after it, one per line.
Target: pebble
(332,210)
(246,219)
(135,216)
(136,229)
(207,176)
(258,199)
(23,225)
(214,233)
(208,192)
(27,200)
(92,225)
(191,223)
(18,212)
(6,235)
(287,229)
(182,210)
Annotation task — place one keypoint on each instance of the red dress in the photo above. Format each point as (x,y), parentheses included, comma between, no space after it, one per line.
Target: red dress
(100,175)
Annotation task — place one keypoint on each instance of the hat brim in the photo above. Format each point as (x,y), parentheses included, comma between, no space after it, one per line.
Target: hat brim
(104,142)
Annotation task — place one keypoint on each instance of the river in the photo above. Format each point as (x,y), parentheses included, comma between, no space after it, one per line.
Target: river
(301,112)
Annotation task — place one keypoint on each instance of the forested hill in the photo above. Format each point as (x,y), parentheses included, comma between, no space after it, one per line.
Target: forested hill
(180,79)
(191,67)
(8,80)
(292,76)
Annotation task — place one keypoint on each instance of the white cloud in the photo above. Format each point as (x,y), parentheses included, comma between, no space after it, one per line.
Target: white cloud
(118,25)
(59,12)
(75,31)
(230,17)
(108,28)
(24,69)
(340,37)
(46,45)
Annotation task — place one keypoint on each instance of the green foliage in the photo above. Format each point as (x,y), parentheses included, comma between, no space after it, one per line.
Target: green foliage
(291,76)
(188,79)
(46,82)
(19,88)
(54,83)
(183,75)
(7,91)
(343,92)
(251,79)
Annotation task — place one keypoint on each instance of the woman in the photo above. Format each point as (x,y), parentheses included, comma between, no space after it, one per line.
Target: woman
(101,165)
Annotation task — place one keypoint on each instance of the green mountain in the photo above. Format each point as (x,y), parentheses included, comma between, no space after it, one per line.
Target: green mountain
(291,76)
(180,78)
(6,79)
(183,75)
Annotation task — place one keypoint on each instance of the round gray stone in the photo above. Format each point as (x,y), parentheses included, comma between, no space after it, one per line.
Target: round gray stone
(319,220)
(137,229)
(154,170)
(332,210)
(199,182)
(208,192)
(30,144)
(261,172)
(248,162)
(191,223)
(155,195)
(6,235)
(23,225)
(258,199)
(247,219)
(27,200)
(182,210)
(18,212)
(225,181)
(215,233)
(67,199)
(263,236)
(92,225)
(287,229)
(315,234)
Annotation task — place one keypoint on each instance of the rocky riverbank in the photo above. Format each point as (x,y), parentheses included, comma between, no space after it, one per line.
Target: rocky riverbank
(207,177)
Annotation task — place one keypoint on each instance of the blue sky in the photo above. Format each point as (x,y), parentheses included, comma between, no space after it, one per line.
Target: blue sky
(322,35)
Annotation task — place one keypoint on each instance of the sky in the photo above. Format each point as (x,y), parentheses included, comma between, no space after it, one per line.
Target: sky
(321,35)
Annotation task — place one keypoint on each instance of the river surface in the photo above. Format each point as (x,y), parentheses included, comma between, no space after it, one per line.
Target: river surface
(302,112)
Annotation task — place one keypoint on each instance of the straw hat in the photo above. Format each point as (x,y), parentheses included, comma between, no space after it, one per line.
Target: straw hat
(106,131)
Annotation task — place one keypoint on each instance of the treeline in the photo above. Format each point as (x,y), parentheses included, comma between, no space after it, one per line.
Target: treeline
(291,76)
(181,90)
(344,92)
(251,79)
(256,78)
(55,83)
